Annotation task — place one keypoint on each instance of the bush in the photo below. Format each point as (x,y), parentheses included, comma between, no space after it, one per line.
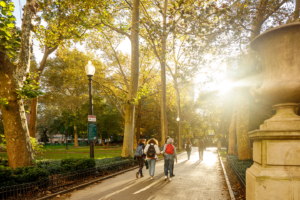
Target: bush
(37,148)
(52,166)
(4,162)
(76,164)
(22,175)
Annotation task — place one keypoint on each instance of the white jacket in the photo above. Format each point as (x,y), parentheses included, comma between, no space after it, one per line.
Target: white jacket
(156,150)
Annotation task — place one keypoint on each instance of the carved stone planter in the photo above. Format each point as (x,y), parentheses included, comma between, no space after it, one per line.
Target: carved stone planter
(275,173)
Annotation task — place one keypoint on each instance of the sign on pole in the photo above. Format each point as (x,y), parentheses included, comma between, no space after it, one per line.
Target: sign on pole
(91,118)
(92,131)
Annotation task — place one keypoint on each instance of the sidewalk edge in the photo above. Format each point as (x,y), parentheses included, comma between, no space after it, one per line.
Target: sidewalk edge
(226,178)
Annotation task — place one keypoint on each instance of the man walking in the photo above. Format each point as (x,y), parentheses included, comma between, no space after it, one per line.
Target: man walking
(200,148)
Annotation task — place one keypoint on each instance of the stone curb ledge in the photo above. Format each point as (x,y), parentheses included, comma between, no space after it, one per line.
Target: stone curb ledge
(226,178)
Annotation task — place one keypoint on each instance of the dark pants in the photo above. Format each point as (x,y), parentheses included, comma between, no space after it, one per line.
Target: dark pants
(140,161)
(200,154)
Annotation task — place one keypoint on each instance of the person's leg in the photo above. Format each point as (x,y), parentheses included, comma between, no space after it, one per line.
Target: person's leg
(149,166)
(141,167)
(173,167)
(166,165)
(171,161)
(152,167)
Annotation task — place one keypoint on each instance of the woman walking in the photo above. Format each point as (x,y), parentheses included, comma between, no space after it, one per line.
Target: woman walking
(151,150)
(188,148)
(140,157)
(169,156)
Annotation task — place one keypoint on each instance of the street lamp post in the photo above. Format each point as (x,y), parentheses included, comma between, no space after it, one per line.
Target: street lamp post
(179,147)
(90,71)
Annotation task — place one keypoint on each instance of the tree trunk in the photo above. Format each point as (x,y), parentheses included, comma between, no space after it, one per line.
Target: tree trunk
(19,151)
(164,121)
(242,128)
(178,114)
(297,10)
(138,121)
(134,82)
(232,133)
(76,137)
(33,115)
(134,141)
(34,101)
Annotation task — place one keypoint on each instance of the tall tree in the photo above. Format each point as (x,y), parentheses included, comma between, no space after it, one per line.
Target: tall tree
(12,77)
(65,24)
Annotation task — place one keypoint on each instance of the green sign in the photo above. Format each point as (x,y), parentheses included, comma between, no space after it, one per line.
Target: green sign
(92,131)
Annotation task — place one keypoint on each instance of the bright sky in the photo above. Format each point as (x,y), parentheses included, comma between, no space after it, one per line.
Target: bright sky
(222,85)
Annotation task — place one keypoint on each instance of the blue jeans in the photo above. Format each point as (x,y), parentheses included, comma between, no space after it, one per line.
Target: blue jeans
(189,154)
(169,162)
(151,163)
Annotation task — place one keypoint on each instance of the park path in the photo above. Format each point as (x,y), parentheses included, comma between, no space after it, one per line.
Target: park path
(194,180)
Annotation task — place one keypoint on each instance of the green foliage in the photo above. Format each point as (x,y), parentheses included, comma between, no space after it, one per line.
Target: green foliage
(22,175)
(31,88)
(10,39)
(240,165)
(52,166)
(3,101)
(75,164)
(38,149)
(3,162)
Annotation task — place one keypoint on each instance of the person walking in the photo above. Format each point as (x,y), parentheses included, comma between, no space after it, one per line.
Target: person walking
(188,148)
(151,150)
(162,149)
(170,154)
(200,148)
(140,157)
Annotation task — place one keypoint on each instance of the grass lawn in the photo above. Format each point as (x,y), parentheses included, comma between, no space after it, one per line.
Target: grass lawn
(59,152)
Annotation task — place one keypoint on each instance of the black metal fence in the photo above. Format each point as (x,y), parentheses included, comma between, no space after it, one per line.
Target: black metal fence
(60,182)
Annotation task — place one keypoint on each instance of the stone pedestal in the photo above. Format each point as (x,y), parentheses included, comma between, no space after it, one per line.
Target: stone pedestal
(275,173)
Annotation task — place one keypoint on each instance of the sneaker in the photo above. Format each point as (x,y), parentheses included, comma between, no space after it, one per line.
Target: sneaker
(166,177)
(170,179)
(173,175)
(152,178)
(137,175)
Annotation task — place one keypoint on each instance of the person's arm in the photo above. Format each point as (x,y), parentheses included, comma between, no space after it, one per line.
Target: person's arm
(175,153)
(164,150)
(146,149)
(157,150)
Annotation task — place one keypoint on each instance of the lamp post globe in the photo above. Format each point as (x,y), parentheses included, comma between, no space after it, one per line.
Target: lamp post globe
(90,71)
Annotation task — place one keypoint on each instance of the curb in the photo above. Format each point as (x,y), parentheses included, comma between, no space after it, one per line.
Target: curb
(85,184)
(226,178)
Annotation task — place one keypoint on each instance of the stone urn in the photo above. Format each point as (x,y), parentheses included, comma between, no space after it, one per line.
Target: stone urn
(275,173)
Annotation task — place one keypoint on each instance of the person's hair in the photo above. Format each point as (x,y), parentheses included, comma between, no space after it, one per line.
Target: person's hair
(188,142)
(167,139)
(141,141)
(152,140)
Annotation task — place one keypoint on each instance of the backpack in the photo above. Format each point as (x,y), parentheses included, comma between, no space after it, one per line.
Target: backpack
(151,151)
(187,147)
(139,151)
(170,149)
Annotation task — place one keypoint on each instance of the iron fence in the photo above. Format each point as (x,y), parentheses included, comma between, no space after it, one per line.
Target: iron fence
(60,182)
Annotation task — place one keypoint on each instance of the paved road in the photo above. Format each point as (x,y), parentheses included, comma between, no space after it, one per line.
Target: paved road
(193,180)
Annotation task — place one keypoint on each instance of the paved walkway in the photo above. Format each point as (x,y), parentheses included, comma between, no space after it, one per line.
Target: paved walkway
(194,180)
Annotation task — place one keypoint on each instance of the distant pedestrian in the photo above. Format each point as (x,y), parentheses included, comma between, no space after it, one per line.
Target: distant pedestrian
(200,148)
(151,150)
(169,156)
(188,148)
(140,157)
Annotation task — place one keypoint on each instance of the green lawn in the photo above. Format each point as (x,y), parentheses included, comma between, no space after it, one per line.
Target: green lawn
(59,152)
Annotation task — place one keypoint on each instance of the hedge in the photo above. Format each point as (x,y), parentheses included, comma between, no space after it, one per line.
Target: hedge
(22,175)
